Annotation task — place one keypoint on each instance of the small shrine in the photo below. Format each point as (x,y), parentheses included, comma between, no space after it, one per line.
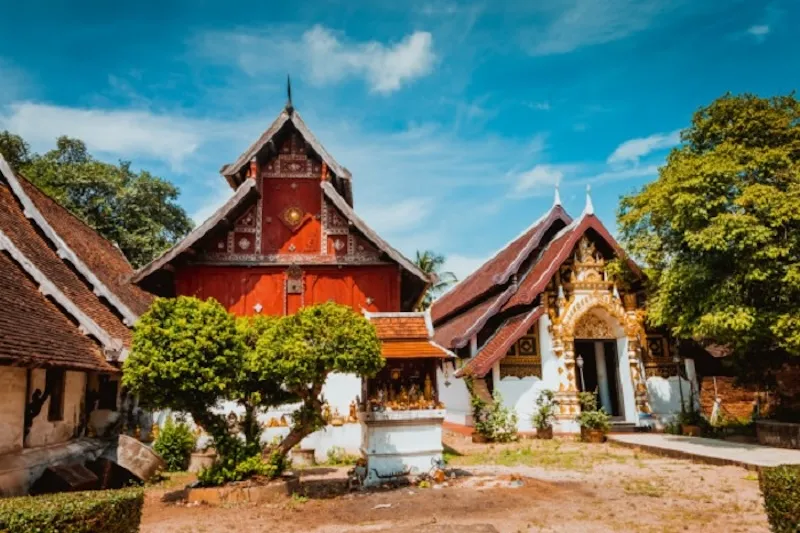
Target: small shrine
(401,413)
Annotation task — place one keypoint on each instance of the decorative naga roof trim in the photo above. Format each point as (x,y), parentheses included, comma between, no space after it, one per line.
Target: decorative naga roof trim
(462,340)
(198,233)
(113,347)
(479,366)
(64,252)
(528,292)
(334,196)
(285,116)
(541,225)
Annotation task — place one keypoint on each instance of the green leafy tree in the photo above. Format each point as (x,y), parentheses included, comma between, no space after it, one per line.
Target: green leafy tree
(305,348)
(175,444)
(719,230)
(431,264)
(137,211)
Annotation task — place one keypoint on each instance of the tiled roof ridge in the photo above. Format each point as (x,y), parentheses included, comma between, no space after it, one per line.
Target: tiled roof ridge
(540,226)
(62,249)
(72,215)
(113,347)
(345,208)
(197,233)
(283,117)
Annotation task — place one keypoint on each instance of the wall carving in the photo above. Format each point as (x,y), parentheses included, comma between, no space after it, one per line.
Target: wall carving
(591,326)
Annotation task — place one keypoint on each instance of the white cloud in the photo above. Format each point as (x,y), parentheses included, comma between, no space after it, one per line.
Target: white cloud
(539,180)
(461,265)
(544,105)
(399,216)
(633,150)
(125,133)
(591,22)
(326,56)
(758,32)
(610,176)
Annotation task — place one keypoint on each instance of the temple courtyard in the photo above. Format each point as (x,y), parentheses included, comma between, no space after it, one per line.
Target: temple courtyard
(559,485)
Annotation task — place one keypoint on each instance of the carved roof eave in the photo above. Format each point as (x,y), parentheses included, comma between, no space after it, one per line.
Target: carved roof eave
(113,348)
(64,252)
(244,192)
(230,170)
(478,366)
(341,204)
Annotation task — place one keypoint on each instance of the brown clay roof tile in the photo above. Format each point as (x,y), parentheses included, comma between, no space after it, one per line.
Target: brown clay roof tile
(36,333)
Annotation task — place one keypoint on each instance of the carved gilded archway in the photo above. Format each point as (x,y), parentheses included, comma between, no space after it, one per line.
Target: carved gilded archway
(598,314)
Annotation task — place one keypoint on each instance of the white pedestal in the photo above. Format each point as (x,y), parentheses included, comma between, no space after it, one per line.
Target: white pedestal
(397,443)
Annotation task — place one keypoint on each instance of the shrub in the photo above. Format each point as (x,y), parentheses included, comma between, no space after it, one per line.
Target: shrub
(109,511)
(590,416)
(546,406)
(175,444)
(781,489)
(239,469)
(338,456)
(496,422)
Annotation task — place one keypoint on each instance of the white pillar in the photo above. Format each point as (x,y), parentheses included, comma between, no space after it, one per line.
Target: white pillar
(626,381)
(602,376)
(473,346)
(549,359)
(691,375)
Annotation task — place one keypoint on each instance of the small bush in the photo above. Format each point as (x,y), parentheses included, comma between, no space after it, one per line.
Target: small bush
(496,422)
(337,456)
(781,489)
(590,416)
(109,511)
(223,472)
(546,408)
(175,444)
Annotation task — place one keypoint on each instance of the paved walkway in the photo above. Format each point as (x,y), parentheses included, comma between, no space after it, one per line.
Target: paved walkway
(713,451)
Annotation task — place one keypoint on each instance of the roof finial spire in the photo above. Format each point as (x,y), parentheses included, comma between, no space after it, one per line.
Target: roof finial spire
(289,105)
(589,209)
(557,196)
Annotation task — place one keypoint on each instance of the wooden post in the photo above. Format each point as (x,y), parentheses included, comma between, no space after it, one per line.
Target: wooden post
(253,172)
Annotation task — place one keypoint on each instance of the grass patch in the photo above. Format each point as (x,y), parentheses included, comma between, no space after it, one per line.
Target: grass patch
(644,487)
(554,454)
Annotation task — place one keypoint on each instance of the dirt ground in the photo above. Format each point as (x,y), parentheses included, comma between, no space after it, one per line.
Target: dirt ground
(558,485)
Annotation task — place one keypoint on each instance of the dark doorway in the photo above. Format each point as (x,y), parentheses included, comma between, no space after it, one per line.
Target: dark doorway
(591,378)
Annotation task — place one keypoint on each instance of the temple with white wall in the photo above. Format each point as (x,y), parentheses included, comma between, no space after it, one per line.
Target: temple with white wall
(545,312)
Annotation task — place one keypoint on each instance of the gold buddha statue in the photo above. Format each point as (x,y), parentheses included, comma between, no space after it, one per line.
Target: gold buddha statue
(428,390)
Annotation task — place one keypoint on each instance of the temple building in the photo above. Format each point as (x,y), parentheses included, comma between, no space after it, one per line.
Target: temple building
(288,237)
(545,313)
(65,311)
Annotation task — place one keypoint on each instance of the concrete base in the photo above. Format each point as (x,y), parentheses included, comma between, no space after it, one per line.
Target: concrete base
(398,443)
(272,492)
(19,470)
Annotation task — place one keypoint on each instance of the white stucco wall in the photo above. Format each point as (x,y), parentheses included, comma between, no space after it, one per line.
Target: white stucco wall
(44,432)
(341,389)
(12,408)
(521,394)
(665,395)
(454,395)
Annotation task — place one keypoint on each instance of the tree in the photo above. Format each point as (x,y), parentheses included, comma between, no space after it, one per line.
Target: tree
(719,230)
(305,348)
(431,264)
(189,355)
(137,211)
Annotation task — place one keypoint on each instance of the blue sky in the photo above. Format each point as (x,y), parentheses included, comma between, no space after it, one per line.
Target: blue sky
(456,119)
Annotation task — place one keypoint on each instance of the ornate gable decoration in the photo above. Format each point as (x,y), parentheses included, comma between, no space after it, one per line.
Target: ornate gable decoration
(292,161)
(588,267)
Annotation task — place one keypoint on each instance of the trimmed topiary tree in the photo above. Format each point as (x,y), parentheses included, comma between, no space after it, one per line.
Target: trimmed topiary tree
(305,348)
(188,355)
(781,489)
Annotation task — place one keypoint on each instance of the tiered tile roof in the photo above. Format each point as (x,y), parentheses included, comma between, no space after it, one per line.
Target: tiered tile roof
(406,335)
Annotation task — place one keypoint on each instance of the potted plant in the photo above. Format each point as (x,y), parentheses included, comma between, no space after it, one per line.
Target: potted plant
(546,407)
(594,422)
(691,422)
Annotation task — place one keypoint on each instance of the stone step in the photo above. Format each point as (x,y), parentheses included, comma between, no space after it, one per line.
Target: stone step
(622,427)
